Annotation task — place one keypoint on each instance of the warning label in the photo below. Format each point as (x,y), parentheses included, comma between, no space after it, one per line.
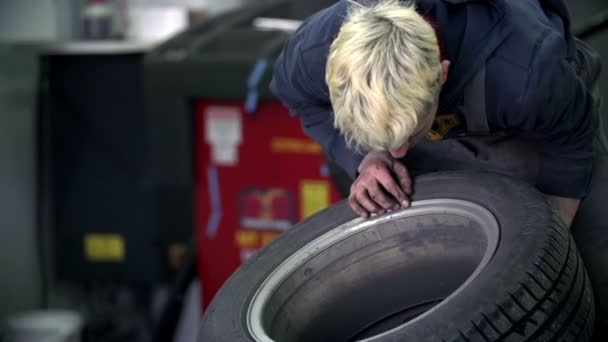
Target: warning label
(104,247)
(295,146)
(314,197)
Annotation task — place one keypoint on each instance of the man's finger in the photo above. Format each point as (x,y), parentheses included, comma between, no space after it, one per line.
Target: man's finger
(363,198)
(403,176)
(391,185)
(358,209)
(378,195)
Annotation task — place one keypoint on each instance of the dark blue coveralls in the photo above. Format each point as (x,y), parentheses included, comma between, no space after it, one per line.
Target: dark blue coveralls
(521,99)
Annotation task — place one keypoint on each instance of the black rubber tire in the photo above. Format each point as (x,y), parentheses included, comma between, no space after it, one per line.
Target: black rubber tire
(534,288)
(591,235)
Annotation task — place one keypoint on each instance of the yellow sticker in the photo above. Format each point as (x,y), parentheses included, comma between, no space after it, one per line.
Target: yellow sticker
(291,145)
(443,124)
(268,237)
(104,247)
(246,239)
(314,197)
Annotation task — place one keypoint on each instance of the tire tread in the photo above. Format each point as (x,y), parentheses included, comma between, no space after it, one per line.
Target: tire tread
(552,303)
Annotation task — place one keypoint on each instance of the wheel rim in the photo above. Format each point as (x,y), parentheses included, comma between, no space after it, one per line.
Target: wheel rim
(302,298)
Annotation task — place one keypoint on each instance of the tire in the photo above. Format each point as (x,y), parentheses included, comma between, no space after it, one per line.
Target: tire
(504,268)
(591,237)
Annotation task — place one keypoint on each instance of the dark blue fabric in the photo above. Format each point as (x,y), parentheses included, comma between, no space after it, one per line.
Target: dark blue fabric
(532,87)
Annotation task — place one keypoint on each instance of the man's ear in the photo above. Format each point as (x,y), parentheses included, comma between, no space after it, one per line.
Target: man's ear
(445,70)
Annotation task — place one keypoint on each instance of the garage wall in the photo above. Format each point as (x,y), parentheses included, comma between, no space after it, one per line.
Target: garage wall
(41,23)
(35,20)
(22,22)
(19,271)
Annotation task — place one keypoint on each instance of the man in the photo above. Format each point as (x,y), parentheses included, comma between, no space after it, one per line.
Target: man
(369,79)
(395,88)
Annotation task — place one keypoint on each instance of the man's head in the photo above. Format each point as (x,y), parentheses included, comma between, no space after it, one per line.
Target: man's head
(384,74)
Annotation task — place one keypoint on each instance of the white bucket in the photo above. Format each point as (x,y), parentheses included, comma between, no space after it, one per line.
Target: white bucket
(45,326)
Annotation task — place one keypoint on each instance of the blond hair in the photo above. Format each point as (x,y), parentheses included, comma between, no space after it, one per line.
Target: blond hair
(383,71)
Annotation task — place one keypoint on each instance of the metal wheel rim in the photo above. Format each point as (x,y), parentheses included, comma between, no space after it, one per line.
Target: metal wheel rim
(462,208)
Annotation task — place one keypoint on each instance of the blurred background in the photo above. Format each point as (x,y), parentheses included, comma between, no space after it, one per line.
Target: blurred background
(142,158)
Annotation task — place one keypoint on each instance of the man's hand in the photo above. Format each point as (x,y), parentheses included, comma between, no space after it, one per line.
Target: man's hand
(567,207)
(383,183)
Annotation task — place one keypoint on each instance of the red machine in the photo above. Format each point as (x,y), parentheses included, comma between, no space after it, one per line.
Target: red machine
(256,176)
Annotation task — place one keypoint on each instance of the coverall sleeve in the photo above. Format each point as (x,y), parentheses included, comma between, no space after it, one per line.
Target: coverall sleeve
(561,114)
(302,90)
